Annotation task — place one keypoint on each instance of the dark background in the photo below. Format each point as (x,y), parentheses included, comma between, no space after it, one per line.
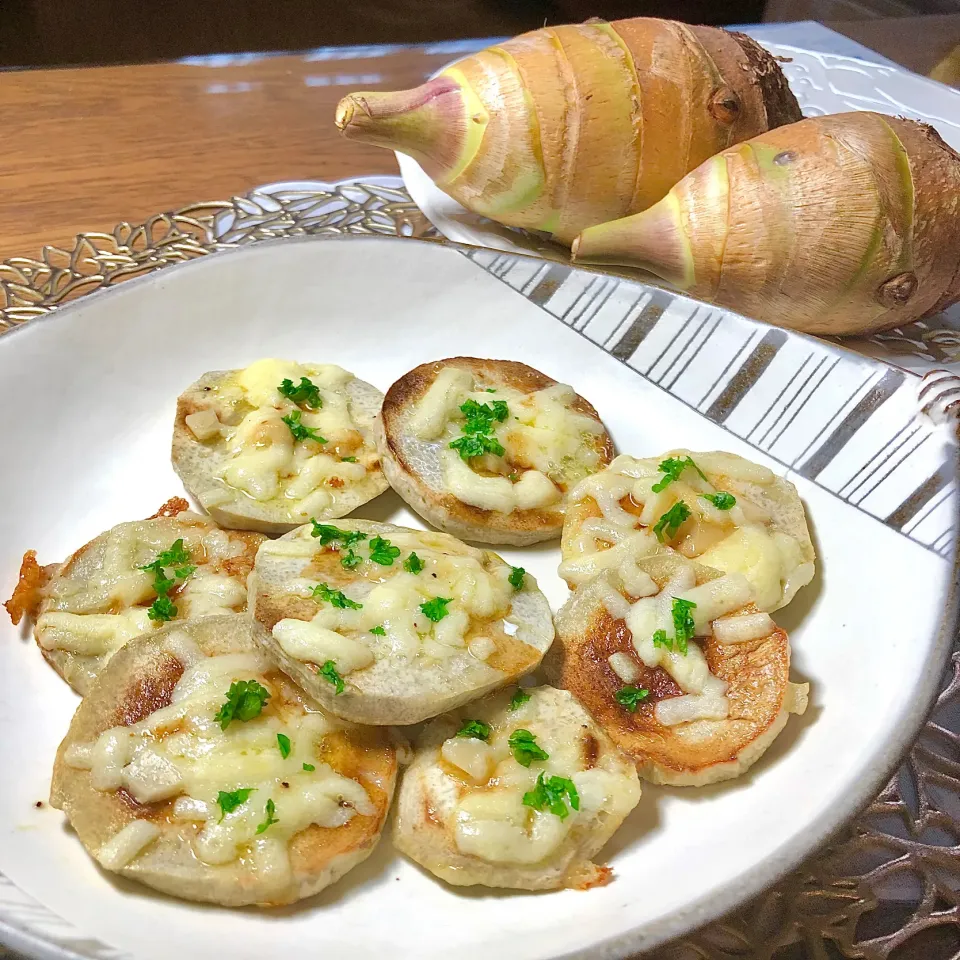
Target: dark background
(63,32)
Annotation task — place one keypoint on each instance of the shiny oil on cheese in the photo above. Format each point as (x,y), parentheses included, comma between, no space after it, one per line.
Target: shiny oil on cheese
(742,539)
(95,615)
(489,819)
(547,443)
(391,601)
(264,462)
(180,753)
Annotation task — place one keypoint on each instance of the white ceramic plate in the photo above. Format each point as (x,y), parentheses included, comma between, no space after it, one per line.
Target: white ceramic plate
(88,398)
(822,82)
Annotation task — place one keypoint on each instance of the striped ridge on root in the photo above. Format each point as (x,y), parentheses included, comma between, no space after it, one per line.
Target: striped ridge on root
(570,126)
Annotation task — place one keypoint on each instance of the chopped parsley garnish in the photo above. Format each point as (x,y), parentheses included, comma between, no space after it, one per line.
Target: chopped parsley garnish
(348,459)
(671,468)
(177,558)
(305,394)
(523,743)
(519,699)
(309,767)
(245,700)
(684,627)
(551,793)
(283,742)
(329,672)
(228,802)
(683,624)
(436,609)
(383,551)
(331,534)
(630,697)
(476,445)
(163,608)
(480,416)
(516,577)
(721,500)
(668,525)
(341,539)
(270,819)
(378,631)
(476,729)
(478,437)
(335,598)
(660,639)
(300,430)
(413,564)
(491,390)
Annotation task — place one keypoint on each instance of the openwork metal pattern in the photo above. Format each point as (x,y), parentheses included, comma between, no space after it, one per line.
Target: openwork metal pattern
(888,888)
(31,287)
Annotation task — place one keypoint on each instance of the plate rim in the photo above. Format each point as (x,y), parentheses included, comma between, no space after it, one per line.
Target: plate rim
(754,880)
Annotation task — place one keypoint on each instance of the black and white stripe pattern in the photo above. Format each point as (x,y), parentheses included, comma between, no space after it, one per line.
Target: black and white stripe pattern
(841,421)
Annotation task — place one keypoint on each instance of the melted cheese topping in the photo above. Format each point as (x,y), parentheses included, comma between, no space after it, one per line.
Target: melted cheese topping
(180,753)
(741,539)
(95,615)
(391,598)
(547,443)
(265,462)
(491,821)
(704,694)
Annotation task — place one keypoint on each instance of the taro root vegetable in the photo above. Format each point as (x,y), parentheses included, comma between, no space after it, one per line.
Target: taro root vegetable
(570,126)
(844,224)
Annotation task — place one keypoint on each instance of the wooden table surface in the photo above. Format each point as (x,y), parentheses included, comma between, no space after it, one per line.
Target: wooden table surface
(83,149)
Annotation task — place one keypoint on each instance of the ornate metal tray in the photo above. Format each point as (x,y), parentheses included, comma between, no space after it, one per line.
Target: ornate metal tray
(889,886)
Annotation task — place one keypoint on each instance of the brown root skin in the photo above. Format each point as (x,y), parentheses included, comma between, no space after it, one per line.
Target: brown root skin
(839,225)
(570,126)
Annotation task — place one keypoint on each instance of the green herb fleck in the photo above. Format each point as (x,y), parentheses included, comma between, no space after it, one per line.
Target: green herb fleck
(476,729)
(163,608)
(245,700)
(525,749)
(331,534)
(721,500)
(551,793)
(300,430)
(436,609)
(672,468)
(309,767)
(378,631)
(335,598)
(670,522)
(630,697)
(329,672)
(491,390)
(283,742)
(228,802)
(178,558)
(351,559)
(660,639)
(683,624)
(413,564)
(516,577)
(305,394)
(348,459)
(519,699)
(383,551)
(270,819)
(476,445)
(477,428)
